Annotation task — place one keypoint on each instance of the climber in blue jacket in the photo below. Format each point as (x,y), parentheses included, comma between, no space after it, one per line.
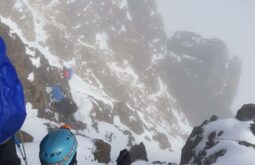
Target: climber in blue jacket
(12,108)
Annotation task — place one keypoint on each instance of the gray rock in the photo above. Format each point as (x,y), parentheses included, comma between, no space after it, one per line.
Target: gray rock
(246,112)
(138,152)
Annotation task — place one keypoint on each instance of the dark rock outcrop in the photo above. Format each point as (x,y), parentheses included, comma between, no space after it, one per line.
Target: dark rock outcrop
(202,68)
(212,158)
(102,111)
(124,158)
(138,152)
(246,112)
(102,152)
(162,140)
(189,153)
(252,128)
(247,144)
(188,150)
(128,117)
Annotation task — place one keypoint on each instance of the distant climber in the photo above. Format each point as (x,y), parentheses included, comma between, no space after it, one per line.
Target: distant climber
(65,108)
(59,147)
(12,108)
(63,104)
(67,73)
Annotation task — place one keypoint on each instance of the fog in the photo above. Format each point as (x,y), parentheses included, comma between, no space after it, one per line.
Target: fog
(229,20)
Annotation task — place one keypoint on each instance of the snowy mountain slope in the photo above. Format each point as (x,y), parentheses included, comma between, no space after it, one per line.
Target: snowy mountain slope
(116,49)
(86,145)
(39,129)
(119,132)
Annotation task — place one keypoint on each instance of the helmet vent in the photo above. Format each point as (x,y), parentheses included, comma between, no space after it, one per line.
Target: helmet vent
(51,155)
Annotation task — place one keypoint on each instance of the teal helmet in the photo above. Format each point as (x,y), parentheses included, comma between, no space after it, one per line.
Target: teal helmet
(58,147)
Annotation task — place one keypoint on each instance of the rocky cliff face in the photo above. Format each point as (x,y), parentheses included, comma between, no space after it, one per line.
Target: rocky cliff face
(201,75)
(128,75)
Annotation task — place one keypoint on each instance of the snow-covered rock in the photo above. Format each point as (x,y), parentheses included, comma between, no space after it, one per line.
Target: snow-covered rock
(220,141)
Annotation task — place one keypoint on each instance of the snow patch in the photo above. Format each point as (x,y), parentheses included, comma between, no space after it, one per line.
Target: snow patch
(31,77)
(102,39)
(53,3)
(79,41)
(30,52)
(36,61)
(177,57)
(123,28)
(123,4)
(70,63)
(18,6)
(78,85)
(189,57)
(182,122)
(77,26)
(126,74)
(129,16)
(152,13)
(155,40)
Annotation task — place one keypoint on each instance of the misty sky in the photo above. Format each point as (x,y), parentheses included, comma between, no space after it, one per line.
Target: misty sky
(230,20)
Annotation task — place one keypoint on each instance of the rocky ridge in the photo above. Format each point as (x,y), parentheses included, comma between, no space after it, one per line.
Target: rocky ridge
(222,141)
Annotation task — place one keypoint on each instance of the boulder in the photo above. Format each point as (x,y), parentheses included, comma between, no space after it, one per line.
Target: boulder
(124,158)
(138,152)
(205,155)
(252,128)
(246,112)
(102,152)
(188,149)
(162,139)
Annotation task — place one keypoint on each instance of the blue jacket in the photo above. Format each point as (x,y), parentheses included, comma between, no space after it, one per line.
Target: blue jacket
(57,93)
(12,101)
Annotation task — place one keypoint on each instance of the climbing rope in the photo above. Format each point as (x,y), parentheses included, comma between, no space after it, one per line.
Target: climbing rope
(23,153)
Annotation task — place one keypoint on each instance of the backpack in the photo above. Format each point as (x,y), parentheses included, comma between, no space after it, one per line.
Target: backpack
(12,101)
